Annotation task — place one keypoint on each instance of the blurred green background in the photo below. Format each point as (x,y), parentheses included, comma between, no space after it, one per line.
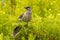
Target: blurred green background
(45,23)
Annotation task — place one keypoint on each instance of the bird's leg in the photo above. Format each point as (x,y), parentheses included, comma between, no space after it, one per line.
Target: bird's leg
(27,24)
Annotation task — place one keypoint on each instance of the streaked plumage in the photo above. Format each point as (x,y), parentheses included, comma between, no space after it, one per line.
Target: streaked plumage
(26,17)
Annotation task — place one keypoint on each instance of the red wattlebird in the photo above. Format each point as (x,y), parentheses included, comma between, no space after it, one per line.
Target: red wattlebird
(26,17)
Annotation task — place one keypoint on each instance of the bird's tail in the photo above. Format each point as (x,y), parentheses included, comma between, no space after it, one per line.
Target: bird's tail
(16,29)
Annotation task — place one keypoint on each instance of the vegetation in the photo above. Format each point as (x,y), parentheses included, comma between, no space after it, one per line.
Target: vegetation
(45,23)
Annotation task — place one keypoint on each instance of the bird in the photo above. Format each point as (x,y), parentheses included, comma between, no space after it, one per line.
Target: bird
(26,17)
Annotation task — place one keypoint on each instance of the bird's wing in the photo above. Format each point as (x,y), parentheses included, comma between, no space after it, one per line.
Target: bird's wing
(20,16)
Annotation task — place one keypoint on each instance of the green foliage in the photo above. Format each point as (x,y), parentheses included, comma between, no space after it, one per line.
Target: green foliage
(45,23)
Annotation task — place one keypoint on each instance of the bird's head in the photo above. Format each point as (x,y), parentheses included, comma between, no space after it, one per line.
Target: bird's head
(28,8)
